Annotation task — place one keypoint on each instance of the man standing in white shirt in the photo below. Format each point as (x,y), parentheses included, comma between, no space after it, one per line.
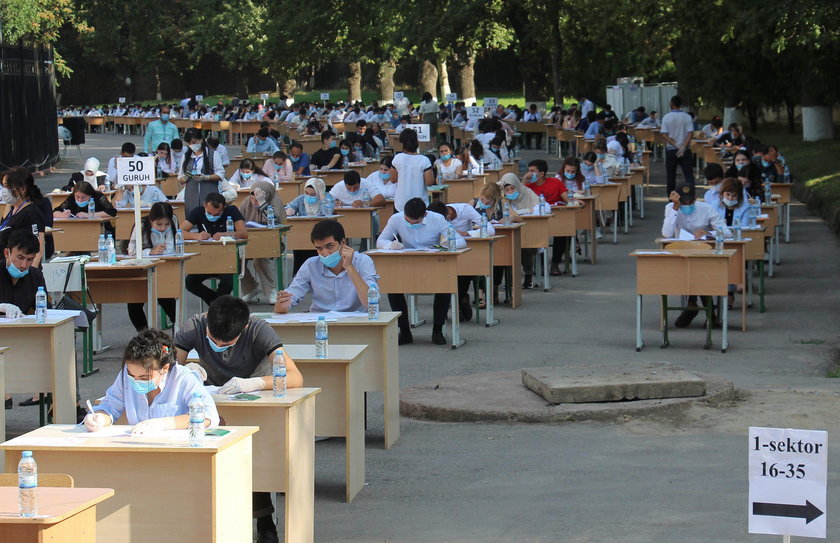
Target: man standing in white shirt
(586,105)
(677,127)
(416,228)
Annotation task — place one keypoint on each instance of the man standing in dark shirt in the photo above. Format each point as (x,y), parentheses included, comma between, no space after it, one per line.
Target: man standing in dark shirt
(19,279)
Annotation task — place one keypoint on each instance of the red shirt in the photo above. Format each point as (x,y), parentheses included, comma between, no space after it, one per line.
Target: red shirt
(552,188)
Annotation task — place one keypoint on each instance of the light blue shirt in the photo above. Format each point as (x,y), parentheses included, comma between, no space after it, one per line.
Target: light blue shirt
(255,145)
(593,131)
(177,389)
(425,236)
(150,195)
(331,292)
(157,133)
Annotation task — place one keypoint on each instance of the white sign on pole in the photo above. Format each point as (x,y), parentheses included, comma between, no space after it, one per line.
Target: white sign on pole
(325,96)
(398,95)
(199,97)
(491,102)
(422,131)
(475,112)
(136,170)
(263,96)
(787,475)
(122,99)
(452,97)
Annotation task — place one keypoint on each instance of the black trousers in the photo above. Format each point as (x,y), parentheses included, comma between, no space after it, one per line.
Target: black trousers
(440,308)
(138,316)
(527,257)
(261,503)
(686,162)
(195,284)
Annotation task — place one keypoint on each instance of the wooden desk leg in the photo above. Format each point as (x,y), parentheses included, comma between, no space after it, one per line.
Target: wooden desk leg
(456,324)
(355,435)
(488,300)
(639,342)
(663,323)
(64,373)
(300,467)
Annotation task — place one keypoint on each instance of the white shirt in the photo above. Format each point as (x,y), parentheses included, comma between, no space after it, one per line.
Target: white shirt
(345,197)
(410,184)
(447,172)
(586,107)
(704,218)
(468,218)
(712,196)
(385,188)
(149,195)
(711,132)
(647,122)
(331,292)
(430,232)
(222,151)
(485,138)
(678,125)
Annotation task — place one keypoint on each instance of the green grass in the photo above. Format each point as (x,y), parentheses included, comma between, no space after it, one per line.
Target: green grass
(814,164)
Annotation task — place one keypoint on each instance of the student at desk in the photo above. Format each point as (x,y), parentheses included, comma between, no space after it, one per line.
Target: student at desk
(382,178)
(151,389)
(338,277)
(416,228)
(26,209)
(77,205)
(713,172)
(233,350)
(259,273)
(149,194)
(350,191)
(210,222)
(522,200)
(157,230)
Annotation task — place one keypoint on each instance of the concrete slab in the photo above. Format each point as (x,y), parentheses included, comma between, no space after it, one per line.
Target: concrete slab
(612,383)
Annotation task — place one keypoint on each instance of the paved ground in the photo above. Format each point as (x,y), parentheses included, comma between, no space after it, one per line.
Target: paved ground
(665,479)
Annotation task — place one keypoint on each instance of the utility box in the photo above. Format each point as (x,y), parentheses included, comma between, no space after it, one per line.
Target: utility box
(630,92)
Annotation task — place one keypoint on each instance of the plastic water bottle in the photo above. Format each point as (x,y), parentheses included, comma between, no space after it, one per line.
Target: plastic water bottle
(91,208)
(196,427)
(768,193)
(103,249)
(112,250)
(107,185)
(718,242)
(366,198)
(41,306)
(451,238)
(506,220)
(278,374)
(276,179)
(345,162)
(229,224)
(179,242)
(736,225)
(27,485)
(587,189)
(329,205)
(373,302)
(269,216)
(542,206)
(321,338)
(482,226)
(439,177)
(787,174)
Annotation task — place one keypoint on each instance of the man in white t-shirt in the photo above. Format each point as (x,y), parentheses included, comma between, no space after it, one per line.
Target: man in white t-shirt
(414,171)
(677,127)
(350,192)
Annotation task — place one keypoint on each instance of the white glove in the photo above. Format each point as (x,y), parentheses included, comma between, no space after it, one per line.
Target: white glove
(241,384)
(202,373)
(153,425)
(96,421)
(11,310)
(396,245)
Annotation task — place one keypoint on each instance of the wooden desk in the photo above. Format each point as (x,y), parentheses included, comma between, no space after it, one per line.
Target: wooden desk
(460,190)
(585,219)
(330,177)
(608,195)
(421,272)
(380,363)
(784,191)
(283,451)
(289,190)
(79,235)
(64,514)
(42,358)
(171,272)
(479,262)
(268,243)
(678,273)
(508,252)
(386,212)
(623,198)
(562,223)
(169,185)
(357,222)
(535,236)
(365,169)
(121,284)
(215,258)
(299,238)
(208,487)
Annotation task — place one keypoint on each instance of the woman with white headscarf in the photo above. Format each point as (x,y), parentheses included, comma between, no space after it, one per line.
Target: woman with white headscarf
(258,281)
(522,200)
(89,173)
(308,204)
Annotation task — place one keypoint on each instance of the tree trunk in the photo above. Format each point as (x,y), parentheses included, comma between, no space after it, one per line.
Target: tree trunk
(556,52)
(289,87)
(354,82)
(385,81)
(466,80)
(817,123)
(752,115)
(443,73)
(428,78)
(731,113)
(790,108)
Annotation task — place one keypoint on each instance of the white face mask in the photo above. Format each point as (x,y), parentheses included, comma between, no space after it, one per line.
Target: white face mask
(196,147)
(6,196)
(730,203)
(715,188)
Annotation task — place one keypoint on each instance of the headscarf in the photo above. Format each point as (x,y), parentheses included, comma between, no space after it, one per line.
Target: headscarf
(527,199)
(253,213)
(614,148)
(320,190)
(92,164)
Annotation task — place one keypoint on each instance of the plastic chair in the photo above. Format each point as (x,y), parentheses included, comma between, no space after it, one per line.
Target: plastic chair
(59,480)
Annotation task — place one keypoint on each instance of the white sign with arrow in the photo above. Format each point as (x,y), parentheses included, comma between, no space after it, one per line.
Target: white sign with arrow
(787,474)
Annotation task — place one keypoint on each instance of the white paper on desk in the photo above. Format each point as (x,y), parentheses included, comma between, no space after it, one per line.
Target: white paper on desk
(107,431)
(300,317)
(653,252)
(252,224)
(685,235)
(79,319)
(347,314)
(213,390)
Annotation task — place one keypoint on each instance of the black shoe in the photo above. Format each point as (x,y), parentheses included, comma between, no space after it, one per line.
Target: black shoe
(9,403)
(438,338)
(529,282)
(685,318)
(405,337)
(29,401)
(268,536)
(466,311)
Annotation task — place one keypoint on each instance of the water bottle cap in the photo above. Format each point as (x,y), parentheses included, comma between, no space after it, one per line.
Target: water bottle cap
(27,454)
(321,318)
(196,395)
(40,288)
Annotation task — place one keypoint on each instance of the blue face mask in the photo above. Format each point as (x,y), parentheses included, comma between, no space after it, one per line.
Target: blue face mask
(482,205)
(345,152)
(83,203)
(764,163)
(687,209)
(294,158)
(212,218)
(16,273)
(164,117)
(142,387)
(333,144)
(512,196)
(568,175)
(384,176)
(245,175)
(412,225)
(588,167)
(741,166)
(311,199)
(601,155)
(445,157)
(215,347)
(331,260)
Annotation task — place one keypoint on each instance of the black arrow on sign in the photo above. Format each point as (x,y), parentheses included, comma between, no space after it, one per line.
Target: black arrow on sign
(809,511)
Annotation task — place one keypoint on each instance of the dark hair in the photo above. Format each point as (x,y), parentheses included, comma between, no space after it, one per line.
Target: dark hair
(325,229)
(279,154)
(408,140)
(574,161)
(733,185)
(352,178)
(153,349)
(713,170)
(345,143)
(590,156)
(717,122)
(476,149)
(21,180)
(177,144)
(24,240)
(438,207)
(414,208)
(85,188)
(216,199)
(387,160)
(227,317)
(540,164)
(192,134)
(296,144)
(128,148)
(361,122)
(498,140)
(159,210)
(164,147)
(326,134)
(249,164)
(262,132)
(213,142)
(676,101)
(444,142)
(427,97)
